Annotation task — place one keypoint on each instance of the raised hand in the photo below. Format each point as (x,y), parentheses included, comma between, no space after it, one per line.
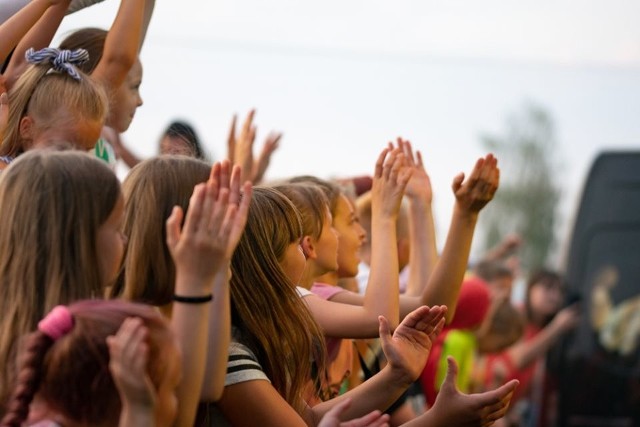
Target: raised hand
(473,194)
(389,182)
(128,360)
(453,408)
(332,418)
(213,226)
(240,148)
(408,349)
(419,186)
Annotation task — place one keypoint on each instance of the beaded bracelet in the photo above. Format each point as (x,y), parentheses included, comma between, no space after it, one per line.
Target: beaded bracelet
(193,300)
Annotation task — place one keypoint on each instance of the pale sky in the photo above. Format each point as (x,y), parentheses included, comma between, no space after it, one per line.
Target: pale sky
(340,78)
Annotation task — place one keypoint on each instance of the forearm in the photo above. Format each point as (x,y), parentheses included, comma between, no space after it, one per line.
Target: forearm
(149,5)
(422,241)
(444,283)
(524,353)
(38,37)
(136,416)
(219,338)
(12,31)
(379,392)
(381,296)
(190,323)
(121,44)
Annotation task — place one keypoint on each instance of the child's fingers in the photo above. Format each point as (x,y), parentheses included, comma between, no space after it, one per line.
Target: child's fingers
(248,123)
(234,187)
(231,139)
(384,330)
(457,182)
(173,226)
(380,163)
(225,174)
(194,214)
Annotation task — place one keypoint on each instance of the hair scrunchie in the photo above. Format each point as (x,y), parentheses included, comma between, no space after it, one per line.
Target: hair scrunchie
(62,61)
(57,323)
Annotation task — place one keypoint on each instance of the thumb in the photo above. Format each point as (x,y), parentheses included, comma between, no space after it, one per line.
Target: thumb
(384,330)
(173,227)
(452,374)
(457,182)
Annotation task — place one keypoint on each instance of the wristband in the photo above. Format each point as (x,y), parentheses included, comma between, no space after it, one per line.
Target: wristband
(193,300)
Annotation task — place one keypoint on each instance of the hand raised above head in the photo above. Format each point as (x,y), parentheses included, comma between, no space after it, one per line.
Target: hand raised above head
(408,349)
(214,223)
(390,179)
(419,186)
(478,189)
(240,148)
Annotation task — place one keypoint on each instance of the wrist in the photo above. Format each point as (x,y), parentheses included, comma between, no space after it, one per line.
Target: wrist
(464,213)
(137,415)
(400,377)
(193,286)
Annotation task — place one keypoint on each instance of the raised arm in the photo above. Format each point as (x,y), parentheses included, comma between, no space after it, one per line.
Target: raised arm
(443,286)
(471,196)
(220,315)
(121,45)
(240,148)
(38,36)
(423,254)
(201,250)
(381,298)
(14,28)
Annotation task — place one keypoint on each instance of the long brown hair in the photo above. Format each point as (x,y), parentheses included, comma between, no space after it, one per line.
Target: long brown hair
(270,316)
(52,206)
(312,204)
(151,190)
(72,373)
(53,100)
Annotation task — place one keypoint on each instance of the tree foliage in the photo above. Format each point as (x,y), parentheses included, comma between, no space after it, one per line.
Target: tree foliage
(527,200)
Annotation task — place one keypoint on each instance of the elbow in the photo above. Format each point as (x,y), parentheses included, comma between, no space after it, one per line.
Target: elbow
(213,393)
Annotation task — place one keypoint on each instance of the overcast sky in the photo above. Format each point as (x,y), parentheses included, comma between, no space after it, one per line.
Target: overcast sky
(341,78)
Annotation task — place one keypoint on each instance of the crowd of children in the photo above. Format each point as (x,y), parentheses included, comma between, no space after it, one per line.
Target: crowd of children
(191,295)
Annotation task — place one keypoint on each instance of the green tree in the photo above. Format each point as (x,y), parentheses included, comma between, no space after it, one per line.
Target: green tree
(527,200)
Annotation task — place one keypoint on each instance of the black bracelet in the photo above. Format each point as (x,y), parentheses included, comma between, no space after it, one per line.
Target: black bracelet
(193,300)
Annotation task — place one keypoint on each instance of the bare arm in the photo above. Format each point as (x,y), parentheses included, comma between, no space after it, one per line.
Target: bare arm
(200,250)
(525,352)
(423,254)
(121,45)
(38,37)
(14,28)
(389,182)
(471,196)
(406,351)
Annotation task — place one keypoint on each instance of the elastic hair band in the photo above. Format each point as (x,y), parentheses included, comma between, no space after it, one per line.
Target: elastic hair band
(57,323)
(62,61)
(193,300)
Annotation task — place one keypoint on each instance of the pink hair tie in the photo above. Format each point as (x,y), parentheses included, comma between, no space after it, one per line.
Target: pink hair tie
(57,323)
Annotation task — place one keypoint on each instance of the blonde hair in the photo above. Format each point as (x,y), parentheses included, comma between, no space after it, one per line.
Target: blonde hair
(52,99)
(52,206)
(270,316)
(151,190)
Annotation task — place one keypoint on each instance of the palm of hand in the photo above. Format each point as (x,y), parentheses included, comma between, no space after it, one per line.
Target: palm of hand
(480,187)
(408,349)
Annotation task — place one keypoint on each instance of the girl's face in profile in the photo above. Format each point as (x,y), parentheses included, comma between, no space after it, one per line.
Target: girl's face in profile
(351,235)
(327,245)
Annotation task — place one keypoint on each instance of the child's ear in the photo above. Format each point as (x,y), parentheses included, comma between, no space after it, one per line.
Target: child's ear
(26,128)
(308,248)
